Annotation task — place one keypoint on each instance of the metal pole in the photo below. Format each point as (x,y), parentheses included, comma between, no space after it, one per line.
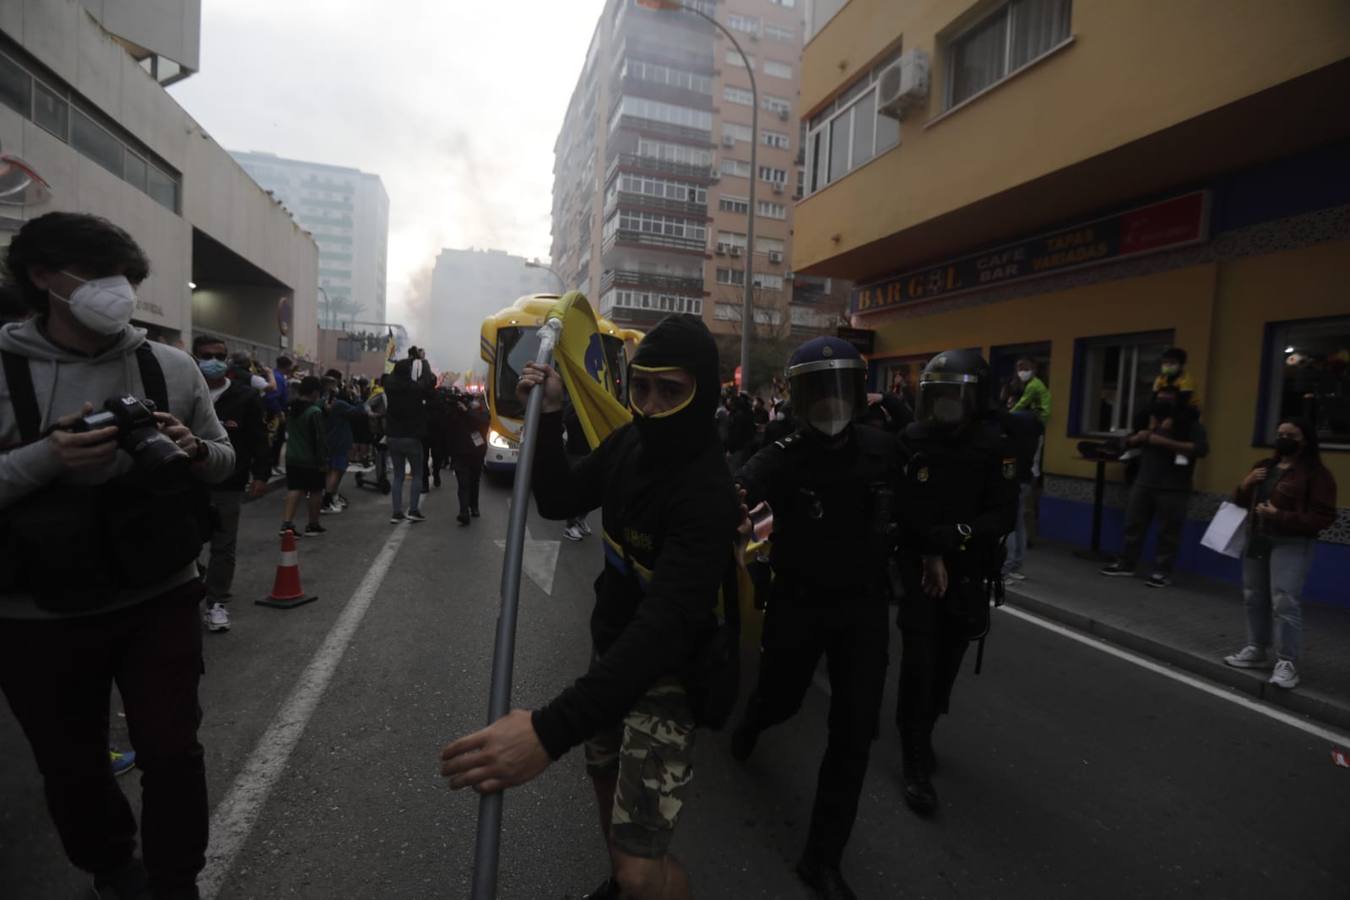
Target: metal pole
(748,300)
(488,844)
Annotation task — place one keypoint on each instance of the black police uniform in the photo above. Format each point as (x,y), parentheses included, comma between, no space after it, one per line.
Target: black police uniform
(958,499)
(832,521)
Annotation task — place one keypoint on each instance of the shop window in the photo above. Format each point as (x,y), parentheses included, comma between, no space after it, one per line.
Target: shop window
(1117,375)
(1003,362)
(1308,377)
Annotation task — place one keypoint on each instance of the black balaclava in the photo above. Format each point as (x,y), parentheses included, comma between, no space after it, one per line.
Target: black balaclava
(680,342)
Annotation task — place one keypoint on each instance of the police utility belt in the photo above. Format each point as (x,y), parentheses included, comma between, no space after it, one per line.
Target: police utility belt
(74,547)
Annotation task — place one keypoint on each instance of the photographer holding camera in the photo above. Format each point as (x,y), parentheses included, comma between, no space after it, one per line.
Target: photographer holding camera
(102,515)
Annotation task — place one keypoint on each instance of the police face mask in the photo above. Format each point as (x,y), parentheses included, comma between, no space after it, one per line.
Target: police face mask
(830,415)
(103,305)
(946,406)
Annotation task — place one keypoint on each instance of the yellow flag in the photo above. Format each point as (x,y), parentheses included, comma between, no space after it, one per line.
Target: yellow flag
(581,360)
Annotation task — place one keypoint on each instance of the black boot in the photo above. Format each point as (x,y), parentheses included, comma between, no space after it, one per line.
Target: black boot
(743,739)
(825,880)
(916,749)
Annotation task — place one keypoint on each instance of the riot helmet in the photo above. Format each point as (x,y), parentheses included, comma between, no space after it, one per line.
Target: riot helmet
(827,382)
(954,390)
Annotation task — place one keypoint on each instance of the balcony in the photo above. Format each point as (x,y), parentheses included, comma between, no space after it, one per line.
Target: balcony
(654,90)
(629,200)
(666,284)
(624,238)
(656,129)
(650,165)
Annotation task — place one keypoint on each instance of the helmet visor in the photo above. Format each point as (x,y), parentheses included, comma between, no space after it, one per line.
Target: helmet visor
(828,399)
(947,404)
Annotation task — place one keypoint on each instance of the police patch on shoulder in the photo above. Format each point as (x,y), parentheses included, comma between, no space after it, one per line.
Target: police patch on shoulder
(1010,467)
(786,443)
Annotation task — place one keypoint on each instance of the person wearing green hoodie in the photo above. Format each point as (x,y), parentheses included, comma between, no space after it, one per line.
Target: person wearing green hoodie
(98,552)
(306,457)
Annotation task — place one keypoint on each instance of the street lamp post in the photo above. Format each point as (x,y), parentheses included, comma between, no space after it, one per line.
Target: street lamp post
(328,306)
(747,302)
(536,264)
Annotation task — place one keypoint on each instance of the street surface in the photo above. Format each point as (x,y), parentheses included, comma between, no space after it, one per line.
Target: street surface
(1065,772)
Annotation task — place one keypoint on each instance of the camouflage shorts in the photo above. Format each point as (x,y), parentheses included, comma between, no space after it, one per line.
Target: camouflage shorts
(652,750)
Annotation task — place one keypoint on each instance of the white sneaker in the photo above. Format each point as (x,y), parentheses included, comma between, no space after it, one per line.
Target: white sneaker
(341,501)
(1249,657)
(217,618)
(330,509)
(1285,675)
(573,533)
(585,527)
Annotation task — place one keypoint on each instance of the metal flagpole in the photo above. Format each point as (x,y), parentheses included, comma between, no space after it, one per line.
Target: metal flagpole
(488,844)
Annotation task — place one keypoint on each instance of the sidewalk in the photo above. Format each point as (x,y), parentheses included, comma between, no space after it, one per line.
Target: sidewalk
(1190,625)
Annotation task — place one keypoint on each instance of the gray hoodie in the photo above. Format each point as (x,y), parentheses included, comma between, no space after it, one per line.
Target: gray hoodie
(64,381)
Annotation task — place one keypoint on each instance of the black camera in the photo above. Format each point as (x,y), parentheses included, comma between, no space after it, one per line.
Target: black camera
(137,433)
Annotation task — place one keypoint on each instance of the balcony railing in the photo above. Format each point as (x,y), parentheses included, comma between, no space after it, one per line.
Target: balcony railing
(657,241)
(662,129)
(630,200)
(651,165)
(667,284)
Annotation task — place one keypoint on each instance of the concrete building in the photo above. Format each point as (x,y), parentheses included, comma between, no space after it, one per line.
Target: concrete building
(652,171)
(83,108)
(347,212)
(466,286)
(1087,182)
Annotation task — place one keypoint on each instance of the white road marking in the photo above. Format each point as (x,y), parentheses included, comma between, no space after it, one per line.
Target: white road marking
(235,816)
(1223,693)
(539,561)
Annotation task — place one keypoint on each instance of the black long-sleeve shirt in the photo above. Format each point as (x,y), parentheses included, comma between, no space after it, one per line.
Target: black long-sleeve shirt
(668,533)
(240,410)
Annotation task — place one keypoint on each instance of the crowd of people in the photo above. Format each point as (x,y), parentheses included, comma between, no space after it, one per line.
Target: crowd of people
(869,501)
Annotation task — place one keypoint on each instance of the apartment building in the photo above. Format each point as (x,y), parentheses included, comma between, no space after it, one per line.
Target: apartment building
(652,171)
(1086,183)
(87,126)
(347,212)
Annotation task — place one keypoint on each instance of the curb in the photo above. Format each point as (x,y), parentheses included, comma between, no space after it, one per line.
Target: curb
(1318,707)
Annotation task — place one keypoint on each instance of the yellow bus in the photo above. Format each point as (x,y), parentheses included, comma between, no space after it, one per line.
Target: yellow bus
(508,342)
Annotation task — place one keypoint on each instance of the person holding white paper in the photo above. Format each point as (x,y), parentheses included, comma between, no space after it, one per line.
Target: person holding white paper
(1292,497)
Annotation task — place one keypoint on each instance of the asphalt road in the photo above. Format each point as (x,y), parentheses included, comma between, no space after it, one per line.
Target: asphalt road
(1066,772)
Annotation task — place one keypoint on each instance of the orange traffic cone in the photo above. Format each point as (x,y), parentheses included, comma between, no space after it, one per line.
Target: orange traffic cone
(286,589)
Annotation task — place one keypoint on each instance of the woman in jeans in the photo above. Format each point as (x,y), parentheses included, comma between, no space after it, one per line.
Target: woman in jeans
(1292,497)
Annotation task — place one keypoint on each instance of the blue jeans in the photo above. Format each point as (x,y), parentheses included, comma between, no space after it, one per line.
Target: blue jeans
(402,452)
(1017,541)
(1273,585)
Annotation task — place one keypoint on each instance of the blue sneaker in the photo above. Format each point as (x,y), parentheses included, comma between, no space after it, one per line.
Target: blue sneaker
(122,761)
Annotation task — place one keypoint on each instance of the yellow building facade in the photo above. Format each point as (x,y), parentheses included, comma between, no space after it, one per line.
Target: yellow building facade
(1086,183)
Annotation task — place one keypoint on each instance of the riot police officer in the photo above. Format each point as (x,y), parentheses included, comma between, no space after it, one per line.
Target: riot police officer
(829,486)
(957,502)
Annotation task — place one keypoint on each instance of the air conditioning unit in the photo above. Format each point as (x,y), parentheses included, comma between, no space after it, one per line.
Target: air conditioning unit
(721,250)
(734,250)
(903,85)
(777,187)
(775,256)
(783,113)
(715,177)
(728,140)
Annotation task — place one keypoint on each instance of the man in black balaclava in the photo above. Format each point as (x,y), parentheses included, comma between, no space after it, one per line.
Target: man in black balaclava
(669,516)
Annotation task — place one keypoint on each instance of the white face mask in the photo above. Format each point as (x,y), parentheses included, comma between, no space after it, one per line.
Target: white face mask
(830,416)
(103,305)
(1024,374)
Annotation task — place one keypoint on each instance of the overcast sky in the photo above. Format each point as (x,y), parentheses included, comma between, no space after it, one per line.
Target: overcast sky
(454,104)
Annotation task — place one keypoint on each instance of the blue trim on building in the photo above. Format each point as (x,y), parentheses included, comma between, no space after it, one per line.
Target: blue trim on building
(1070,522)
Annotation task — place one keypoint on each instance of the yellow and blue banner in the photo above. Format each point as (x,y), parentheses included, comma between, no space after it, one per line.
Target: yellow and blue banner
(580,359)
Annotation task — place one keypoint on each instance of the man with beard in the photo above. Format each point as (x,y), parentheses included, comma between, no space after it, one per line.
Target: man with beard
(669,518)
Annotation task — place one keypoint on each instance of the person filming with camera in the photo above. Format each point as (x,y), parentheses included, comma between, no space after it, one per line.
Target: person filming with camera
(108,445)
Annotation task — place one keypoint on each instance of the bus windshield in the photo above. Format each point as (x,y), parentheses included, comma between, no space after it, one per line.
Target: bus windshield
(516,346)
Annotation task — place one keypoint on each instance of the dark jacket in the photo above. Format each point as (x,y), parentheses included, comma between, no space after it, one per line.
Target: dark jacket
(668,536)
(1305,497)
(240,410)
(306,436)
(462,424)
(825,503)
(1158,467)
(406,416)
(1024,430)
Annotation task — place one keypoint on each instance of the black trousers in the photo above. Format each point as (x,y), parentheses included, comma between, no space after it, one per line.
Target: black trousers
(57,676)
(932,645)
(468,475)
(852,632)
(1146,504)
